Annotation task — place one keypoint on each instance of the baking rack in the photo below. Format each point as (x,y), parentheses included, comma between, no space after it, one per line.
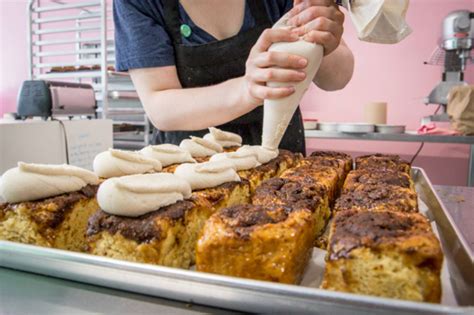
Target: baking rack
(77,37)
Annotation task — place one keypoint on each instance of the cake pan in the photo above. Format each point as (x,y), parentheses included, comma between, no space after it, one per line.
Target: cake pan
(328,126)
(356,128)
(251,295)
(390,128)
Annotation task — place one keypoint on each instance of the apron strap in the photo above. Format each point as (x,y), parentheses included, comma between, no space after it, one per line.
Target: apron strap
(259,12)
(172,17)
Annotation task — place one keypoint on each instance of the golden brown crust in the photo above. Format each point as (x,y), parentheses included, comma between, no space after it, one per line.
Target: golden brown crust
(332,154)
(324,175)
(48,213)
(354,229)
(305,194)
(382,161)
(388,254)
(166,237)
(243,219)
(254,242)
(387,177)
(345,160)
(378,197)
(140,229)
(273,168)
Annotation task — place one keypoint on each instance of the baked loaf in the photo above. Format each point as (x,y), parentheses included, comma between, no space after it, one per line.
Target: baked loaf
(273,168)
(59,221)
(306,193)
(326,176)
(378,197)
(382,161)
(166,236)
(388,254)
(257,242)
(225,195)
(394,178)
(333,155)
(320,163)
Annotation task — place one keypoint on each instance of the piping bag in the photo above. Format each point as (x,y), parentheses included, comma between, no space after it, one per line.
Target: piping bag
(277,113)
(378,21)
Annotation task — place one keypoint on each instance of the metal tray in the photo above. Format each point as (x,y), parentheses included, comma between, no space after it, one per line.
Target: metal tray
(250,295)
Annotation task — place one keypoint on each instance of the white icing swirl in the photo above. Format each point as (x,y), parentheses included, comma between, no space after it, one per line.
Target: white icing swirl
(225,138)
(115,163)
(29,182)
(208,174)
(167,154)
(199,147)
(263,155)
(136,195)
(241,161)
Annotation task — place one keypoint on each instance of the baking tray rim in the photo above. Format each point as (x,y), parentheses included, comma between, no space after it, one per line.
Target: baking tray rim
(51,254)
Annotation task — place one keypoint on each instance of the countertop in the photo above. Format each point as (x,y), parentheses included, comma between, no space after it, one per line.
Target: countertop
(25,293)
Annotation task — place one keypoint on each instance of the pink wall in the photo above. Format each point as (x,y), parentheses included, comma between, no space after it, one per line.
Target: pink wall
(395,74)
(13,47)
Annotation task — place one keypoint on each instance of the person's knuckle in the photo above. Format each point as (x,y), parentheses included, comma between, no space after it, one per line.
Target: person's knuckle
(271,56)
(319,23)
(326,36)
(270,74)
(292,60)
(313,12)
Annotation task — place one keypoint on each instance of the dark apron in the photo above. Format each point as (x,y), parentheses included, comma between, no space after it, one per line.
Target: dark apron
(215,62)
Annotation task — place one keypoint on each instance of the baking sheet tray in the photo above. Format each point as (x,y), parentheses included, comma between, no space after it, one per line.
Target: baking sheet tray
(250,295)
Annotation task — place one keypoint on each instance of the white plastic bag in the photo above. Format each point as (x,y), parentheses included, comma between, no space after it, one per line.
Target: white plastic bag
(379,21)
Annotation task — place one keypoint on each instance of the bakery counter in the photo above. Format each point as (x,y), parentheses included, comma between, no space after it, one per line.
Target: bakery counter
(25,293)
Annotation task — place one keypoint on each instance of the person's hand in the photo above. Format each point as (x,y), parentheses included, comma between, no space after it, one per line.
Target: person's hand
(318,21)
(263,66)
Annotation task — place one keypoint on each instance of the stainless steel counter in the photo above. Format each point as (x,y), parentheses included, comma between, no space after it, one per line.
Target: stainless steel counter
(25,293)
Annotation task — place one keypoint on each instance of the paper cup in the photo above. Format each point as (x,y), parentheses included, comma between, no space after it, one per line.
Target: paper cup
(375,113)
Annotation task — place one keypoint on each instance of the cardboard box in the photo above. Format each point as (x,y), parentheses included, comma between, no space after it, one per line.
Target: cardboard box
(37,141)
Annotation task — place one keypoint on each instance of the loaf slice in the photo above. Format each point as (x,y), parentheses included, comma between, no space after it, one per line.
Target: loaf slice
(388,254)
(59,221)
(258,242)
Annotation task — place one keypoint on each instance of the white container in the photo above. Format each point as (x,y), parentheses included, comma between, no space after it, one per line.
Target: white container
(390,129)
(328,126)
(356,128)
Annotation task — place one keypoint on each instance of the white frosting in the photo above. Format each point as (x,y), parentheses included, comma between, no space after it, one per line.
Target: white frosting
(37,181)
(136,195)
(278,112)
(208,174)
(263,155)
(167,154)
(199,147)
(115,163)
(241,161)
(225,138)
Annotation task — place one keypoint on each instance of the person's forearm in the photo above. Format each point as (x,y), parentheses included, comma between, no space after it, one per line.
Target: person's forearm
(196,108)
(336,69)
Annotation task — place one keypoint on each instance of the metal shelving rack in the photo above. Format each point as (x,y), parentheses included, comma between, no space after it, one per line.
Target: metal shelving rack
(68,33)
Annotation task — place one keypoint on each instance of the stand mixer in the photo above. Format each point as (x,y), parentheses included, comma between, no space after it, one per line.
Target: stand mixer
(454,53)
